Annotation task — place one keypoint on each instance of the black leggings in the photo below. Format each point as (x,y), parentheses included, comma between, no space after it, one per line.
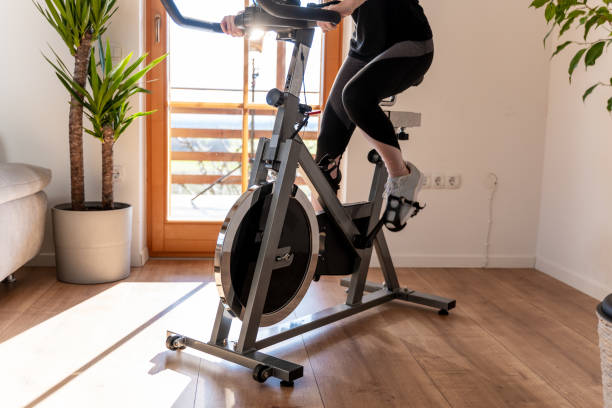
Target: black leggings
(359,88)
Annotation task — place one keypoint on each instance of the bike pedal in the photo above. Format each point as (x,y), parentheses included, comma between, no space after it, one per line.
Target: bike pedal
(392,214)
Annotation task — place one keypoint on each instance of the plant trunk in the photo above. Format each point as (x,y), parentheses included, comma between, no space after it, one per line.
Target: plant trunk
(107,167)
(75,124)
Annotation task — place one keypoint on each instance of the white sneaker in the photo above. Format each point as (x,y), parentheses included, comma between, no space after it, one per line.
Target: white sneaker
(408,186)
(402,197)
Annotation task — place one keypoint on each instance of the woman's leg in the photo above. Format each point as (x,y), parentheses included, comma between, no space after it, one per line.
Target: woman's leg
(336,126)
(390,73)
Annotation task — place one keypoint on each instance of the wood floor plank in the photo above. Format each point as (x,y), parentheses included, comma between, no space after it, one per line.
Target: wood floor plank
(555,288)
(565,360)
(502,347)
(30,285)
(456,347)
(359,358)
(224,384)
(565,304)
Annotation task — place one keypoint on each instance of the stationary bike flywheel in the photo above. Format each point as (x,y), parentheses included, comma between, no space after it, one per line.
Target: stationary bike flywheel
(238,248)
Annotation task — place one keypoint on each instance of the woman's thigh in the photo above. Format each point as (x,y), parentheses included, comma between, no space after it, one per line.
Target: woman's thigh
(385,77)
(336,127)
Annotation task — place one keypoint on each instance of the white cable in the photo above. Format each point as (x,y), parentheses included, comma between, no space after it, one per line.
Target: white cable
(492,176)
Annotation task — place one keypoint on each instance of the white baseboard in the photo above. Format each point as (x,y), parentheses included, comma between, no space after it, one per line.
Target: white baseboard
(402,261)
(459,261)
(572,278)
(144,256)
(47,259)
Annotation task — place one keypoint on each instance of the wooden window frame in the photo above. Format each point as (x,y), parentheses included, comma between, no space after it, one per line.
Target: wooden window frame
(174,238)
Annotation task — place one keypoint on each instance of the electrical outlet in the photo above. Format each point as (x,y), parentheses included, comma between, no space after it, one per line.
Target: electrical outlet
(453,181)
(426,182)
(117,173)
(116,52)
(438,181)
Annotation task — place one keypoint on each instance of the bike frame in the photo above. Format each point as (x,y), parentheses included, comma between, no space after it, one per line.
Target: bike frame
(283,153)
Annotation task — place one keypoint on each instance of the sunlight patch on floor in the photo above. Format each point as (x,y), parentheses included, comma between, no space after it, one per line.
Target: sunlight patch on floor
(81,357)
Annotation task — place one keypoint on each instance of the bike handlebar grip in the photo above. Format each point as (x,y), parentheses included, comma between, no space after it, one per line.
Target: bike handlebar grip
(183,21)
(299,13)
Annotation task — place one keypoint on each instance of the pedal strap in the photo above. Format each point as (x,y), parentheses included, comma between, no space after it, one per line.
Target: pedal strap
(392,214)
(324,166)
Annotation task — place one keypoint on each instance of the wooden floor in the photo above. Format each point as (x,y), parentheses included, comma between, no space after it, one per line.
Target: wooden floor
(518,338)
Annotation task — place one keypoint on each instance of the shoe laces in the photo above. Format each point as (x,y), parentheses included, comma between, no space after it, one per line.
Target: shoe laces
(390,187)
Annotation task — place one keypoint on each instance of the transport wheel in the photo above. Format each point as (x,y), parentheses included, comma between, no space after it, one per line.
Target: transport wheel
(261,373)
(238,249)
(443,312)
(170,343)
(287,384)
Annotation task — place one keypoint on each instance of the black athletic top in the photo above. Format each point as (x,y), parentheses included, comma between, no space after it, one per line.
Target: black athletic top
(382,23)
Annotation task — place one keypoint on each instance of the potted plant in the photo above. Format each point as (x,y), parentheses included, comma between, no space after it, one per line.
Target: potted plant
(92,239)
(93,246)
(594,19)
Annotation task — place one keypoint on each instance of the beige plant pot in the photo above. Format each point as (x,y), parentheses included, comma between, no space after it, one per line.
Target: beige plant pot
(92,246)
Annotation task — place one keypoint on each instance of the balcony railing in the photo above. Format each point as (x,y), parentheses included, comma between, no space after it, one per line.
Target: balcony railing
(207,108)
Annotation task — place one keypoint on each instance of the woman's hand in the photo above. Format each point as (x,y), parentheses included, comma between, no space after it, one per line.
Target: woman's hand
(344,8)
(229,27)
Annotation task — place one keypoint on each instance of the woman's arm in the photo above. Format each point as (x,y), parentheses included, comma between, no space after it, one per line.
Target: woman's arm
(345,8)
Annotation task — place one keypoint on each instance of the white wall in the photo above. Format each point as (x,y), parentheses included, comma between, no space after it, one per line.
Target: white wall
(575,230)
(484,107)
(34,114)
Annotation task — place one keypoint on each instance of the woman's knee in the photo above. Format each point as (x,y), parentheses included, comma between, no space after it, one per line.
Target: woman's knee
(357,101)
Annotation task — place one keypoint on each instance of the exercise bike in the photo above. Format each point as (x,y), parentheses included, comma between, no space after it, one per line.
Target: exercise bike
(272,245)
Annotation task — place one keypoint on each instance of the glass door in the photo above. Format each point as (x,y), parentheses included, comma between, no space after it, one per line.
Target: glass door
(210,98)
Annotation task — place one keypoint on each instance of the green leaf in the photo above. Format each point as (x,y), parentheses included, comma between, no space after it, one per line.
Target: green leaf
(576,13)
(561,47)
(589,24)
(136,77)
(548,35)
(538,3)
(109,94)
(101,53)
(108,59)
(574,62)
(610,105)
(549,13)
(594,53)
(588,92)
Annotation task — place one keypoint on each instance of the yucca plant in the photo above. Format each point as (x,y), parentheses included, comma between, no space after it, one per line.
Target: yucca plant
(107,104)
(79,23)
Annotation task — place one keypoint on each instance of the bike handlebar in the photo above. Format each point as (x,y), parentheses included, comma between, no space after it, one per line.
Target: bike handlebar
(294,15)
(183,21)
(299,13)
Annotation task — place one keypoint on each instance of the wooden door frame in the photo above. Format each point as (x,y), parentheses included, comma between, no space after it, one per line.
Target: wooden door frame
(166,238)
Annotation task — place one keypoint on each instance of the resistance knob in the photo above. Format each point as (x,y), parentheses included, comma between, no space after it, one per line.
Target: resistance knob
(275,97)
